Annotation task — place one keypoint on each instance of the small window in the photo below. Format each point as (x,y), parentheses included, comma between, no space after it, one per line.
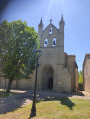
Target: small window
(50,31)
(45,42)
(54,42)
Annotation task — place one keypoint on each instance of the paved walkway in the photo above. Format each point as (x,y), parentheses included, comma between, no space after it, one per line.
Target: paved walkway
(11,103)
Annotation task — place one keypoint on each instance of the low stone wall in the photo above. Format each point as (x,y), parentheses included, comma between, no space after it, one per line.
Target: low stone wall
(4,83)
(19,84)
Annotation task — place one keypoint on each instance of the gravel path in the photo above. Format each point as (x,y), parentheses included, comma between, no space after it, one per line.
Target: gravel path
(11,103)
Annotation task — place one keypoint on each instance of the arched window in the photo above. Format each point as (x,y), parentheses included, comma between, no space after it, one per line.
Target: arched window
(54,42)
(50,31)
(45,42)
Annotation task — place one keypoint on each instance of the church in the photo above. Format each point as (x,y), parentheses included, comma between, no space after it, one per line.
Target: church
(57,70)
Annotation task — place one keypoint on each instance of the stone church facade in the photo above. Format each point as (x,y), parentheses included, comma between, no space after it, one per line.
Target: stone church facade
(57,71)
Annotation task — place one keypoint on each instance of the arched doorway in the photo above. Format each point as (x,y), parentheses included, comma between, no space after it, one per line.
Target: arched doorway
(50,83)
(47,82)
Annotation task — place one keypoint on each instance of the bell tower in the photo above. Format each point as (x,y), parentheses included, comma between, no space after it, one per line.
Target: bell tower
(61,30)
(40,28)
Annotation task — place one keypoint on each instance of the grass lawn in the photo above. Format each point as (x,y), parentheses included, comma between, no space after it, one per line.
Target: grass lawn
(5,94)
(55,108)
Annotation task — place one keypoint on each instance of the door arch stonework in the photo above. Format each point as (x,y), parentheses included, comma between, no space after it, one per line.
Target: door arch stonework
(47,77)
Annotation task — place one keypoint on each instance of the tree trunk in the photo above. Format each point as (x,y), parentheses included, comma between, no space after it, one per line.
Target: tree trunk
(9,85)
(5,84)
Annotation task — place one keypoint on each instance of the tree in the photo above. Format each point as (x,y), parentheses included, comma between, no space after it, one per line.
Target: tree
(18,42)
(80,77)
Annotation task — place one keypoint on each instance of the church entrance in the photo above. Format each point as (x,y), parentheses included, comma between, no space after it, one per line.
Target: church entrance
(47,82)
(50,83)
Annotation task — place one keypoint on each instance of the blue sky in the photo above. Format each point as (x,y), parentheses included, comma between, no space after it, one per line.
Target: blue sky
(76,15)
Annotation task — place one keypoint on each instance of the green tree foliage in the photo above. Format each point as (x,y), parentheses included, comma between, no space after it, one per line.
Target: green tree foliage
(18,43)
(80,77)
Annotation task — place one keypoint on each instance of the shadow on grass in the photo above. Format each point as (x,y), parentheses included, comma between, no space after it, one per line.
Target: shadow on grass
(67,102)
(13,102)
(63,100)
(5,94)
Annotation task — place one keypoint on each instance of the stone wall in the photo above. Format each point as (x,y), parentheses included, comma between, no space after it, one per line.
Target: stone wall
(26,83)
(19,84)
(86,73)
(73,69)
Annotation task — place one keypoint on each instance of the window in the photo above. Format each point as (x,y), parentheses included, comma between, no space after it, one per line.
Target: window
(54,42)
(50,31)
(45,42)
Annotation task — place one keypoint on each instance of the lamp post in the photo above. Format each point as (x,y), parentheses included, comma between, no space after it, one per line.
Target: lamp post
(33,109)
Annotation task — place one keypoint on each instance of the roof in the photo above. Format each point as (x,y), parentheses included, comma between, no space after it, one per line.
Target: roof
(51,25)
